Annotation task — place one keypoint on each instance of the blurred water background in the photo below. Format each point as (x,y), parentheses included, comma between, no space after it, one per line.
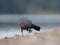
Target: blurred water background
(9,23)
(29,6)
(44,13)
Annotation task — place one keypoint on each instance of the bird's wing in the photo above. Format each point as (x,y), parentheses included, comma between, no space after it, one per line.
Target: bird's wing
(25,21)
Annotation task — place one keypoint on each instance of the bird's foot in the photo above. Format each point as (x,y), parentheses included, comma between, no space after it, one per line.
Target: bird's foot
(30,31)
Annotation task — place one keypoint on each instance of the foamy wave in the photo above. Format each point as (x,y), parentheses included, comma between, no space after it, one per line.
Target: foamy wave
(11,32)
(43,38)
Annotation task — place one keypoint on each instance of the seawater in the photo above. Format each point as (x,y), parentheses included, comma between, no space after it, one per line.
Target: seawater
(11,29)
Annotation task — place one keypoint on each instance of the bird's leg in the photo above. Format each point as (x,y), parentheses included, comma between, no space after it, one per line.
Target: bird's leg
(29,30)
(22,31)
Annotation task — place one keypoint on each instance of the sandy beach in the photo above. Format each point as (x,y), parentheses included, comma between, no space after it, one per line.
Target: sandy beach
(42,38)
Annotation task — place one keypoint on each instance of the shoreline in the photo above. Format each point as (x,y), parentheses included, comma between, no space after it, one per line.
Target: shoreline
(51,37)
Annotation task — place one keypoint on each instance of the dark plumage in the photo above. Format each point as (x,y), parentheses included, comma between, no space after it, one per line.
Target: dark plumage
(26,24)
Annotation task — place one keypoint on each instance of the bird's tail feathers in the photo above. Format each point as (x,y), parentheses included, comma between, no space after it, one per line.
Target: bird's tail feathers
(36,27)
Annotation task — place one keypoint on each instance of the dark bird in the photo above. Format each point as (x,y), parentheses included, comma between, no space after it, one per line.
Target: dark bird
(26,24)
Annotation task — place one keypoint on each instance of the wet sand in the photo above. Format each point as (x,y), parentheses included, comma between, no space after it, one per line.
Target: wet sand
(42,38)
